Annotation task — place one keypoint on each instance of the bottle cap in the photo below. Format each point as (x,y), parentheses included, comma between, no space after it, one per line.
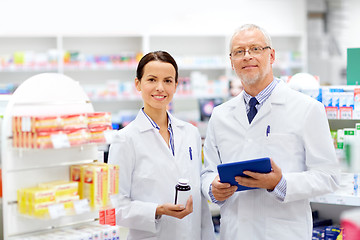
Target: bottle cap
(183,181)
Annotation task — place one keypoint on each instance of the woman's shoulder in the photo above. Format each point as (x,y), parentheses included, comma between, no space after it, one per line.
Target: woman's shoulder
(126,132)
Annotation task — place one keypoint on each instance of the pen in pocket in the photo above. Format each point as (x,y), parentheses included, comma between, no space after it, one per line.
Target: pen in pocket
(190,152)
(268,130)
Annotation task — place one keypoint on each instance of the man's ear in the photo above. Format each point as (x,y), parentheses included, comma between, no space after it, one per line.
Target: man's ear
(272,56)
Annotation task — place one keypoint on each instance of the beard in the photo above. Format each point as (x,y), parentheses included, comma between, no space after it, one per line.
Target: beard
(254,78)
(250,80)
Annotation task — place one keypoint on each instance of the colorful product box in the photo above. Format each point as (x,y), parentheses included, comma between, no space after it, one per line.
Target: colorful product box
(332,232)
(99,119)
(95,185)
(74,121)
(39,131)
(97,134)
(62,188)
(113,179)
(35,201)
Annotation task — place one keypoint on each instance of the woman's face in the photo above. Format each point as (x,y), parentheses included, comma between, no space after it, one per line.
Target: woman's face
(157,85)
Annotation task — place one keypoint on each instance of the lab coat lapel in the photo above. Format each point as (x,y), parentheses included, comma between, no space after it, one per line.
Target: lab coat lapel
(178,134)
(277,97)
(144,125)
(240,110)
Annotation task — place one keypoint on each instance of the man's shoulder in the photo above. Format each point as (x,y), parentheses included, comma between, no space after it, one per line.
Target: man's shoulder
(297,96)
(228,105)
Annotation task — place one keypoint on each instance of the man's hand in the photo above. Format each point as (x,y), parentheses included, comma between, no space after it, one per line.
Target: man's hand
(222,191)
(261,180)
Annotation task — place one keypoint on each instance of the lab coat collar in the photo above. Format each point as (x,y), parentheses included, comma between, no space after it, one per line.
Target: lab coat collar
(144,124)
(277,97)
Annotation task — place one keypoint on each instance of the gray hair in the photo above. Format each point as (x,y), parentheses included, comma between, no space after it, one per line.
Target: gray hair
(252,27)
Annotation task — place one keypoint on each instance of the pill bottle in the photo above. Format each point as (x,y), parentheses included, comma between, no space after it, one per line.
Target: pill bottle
(182,191)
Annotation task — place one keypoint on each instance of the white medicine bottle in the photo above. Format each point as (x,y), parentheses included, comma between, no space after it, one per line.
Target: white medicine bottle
(182,191)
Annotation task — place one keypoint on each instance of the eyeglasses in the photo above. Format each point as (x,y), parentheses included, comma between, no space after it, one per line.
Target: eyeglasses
(253,51)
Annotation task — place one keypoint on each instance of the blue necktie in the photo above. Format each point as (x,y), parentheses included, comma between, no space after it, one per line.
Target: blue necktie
(251,114)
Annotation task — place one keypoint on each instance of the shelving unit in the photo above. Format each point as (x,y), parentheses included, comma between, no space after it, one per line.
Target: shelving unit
(332,205)
(338,200)
(43,94)
(93,60)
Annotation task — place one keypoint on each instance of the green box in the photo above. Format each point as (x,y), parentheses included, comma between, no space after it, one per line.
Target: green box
(353,66)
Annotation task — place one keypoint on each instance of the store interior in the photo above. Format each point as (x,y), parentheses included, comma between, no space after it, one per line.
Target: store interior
(99,43)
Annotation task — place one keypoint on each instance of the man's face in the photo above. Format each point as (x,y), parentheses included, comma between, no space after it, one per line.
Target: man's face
(251,68)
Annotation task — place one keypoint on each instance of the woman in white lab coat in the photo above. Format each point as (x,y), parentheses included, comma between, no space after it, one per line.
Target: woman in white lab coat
(153,152)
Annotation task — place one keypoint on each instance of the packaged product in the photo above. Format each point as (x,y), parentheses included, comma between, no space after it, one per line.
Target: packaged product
(74,121)
(97,134)
(113,179)
(99,119)
(95,185)
(62,188)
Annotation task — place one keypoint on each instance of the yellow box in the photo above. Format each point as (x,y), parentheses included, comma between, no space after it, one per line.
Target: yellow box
(68,201)
(62,188)
(40,210)
(95,185)
(113,179)
(39,195)
(77,175)
(22,201)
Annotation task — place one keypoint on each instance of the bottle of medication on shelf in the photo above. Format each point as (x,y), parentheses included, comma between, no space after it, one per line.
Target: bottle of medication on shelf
(182,191)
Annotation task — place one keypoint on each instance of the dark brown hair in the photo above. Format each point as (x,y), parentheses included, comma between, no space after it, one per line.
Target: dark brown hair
(161,56)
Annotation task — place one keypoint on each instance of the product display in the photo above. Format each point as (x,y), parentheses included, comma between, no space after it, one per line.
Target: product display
(61,130)
(45,135)
(36,201)
(97,182)
(340,102)
(347,145)
(89,231)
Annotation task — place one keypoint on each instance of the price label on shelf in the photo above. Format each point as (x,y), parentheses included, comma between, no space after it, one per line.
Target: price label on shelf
(81,206)
(56,210)
(60,140)
(346,112)
(331,112)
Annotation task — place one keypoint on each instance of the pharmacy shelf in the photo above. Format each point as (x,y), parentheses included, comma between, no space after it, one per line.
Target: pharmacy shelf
(41,95)
(100,60)
(342,123)
(338,200)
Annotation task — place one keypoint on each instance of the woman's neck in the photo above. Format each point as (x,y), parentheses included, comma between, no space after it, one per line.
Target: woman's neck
(158,116)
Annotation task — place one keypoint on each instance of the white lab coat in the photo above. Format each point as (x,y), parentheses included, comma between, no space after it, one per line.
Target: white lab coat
(300,144)
(148,175)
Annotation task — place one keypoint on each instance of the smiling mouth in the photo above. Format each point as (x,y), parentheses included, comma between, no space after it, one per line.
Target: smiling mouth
(159,97)
(249,66)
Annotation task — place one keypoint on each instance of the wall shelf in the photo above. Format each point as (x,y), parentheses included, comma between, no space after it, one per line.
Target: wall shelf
(337,200)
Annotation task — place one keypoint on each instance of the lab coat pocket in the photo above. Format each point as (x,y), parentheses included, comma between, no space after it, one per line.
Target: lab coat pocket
(285,149)
(285,229)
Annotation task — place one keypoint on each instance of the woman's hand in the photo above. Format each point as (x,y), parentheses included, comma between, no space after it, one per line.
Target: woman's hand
(177,211)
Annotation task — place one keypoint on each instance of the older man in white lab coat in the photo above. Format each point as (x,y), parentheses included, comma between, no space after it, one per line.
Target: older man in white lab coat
(268,119)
